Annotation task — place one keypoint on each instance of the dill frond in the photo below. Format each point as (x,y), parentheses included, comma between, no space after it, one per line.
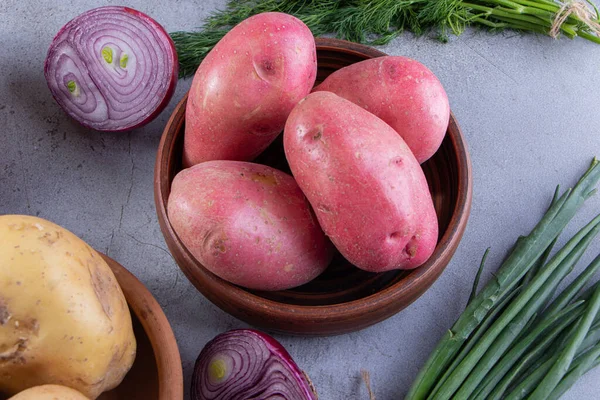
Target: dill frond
(377,22)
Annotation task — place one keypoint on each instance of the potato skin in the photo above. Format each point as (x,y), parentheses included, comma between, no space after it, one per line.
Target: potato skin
(249,224)
(246,87)
(402,92)
(366,187)
(63,317)
(49,392)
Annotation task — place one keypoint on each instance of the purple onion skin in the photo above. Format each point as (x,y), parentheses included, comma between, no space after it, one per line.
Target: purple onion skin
(268,371)
(85,24)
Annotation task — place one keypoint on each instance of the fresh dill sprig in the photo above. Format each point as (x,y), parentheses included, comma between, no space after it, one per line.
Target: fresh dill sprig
(377,22)
(192,47)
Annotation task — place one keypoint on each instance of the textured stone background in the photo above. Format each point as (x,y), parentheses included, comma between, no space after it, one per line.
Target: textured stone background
(528,106)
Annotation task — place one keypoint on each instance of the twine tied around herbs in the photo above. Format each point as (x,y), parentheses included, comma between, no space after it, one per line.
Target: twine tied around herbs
(581,10)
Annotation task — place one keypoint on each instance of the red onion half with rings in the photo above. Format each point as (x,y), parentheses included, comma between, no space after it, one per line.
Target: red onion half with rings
(112,68)
(247,364)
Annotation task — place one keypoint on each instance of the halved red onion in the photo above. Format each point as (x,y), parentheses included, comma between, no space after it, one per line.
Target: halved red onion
(248,364)
(112,68)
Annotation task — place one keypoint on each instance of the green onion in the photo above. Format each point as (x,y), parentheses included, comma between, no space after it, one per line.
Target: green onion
(580,366)
(523,257)
(561,366)
(566,317)
(536,356)
(531,382)
(478,276)
(495,341)
(533,378)
(494,312)
(542,260)
(485,324)
(499,378)
(547,348)
(571,291)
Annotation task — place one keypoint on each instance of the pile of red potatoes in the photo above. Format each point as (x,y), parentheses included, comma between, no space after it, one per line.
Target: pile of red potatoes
(354,145)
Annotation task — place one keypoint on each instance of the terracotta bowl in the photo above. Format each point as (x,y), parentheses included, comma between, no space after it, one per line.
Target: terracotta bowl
(156,373)
(343,298)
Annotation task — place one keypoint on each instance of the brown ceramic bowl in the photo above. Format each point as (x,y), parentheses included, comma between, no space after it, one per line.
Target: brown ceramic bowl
(156,373)
(343,298)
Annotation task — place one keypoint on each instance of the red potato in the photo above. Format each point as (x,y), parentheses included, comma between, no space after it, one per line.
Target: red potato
(246,87)
(402,92)
(367,189)
(249,224)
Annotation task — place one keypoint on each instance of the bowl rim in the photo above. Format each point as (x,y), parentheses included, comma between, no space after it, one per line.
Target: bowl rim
(406,289)
(157,328)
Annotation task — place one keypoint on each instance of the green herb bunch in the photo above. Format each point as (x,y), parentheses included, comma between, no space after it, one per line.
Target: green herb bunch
(377,22)
(520,336)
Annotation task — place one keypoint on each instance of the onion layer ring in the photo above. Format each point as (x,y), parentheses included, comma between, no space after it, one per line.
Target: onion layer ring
(247,364)
(112,68)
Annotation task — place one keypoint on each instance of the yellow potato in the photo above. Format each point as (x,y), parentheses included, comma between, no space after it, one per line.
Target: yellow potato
(63,317)
(49,392)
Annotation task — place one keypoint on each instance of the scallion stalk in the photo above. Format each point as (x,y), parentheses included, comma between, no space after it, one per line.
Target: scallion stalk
(565,318)
(522,258)
(561,366)
(571,291)
(509,324)
(532,379)
(485,324)
(580,366)
(513,269)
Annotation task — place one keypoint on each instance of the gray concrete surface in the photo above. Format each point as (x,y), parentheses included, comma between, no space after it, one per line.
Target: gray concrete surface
(528,106)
